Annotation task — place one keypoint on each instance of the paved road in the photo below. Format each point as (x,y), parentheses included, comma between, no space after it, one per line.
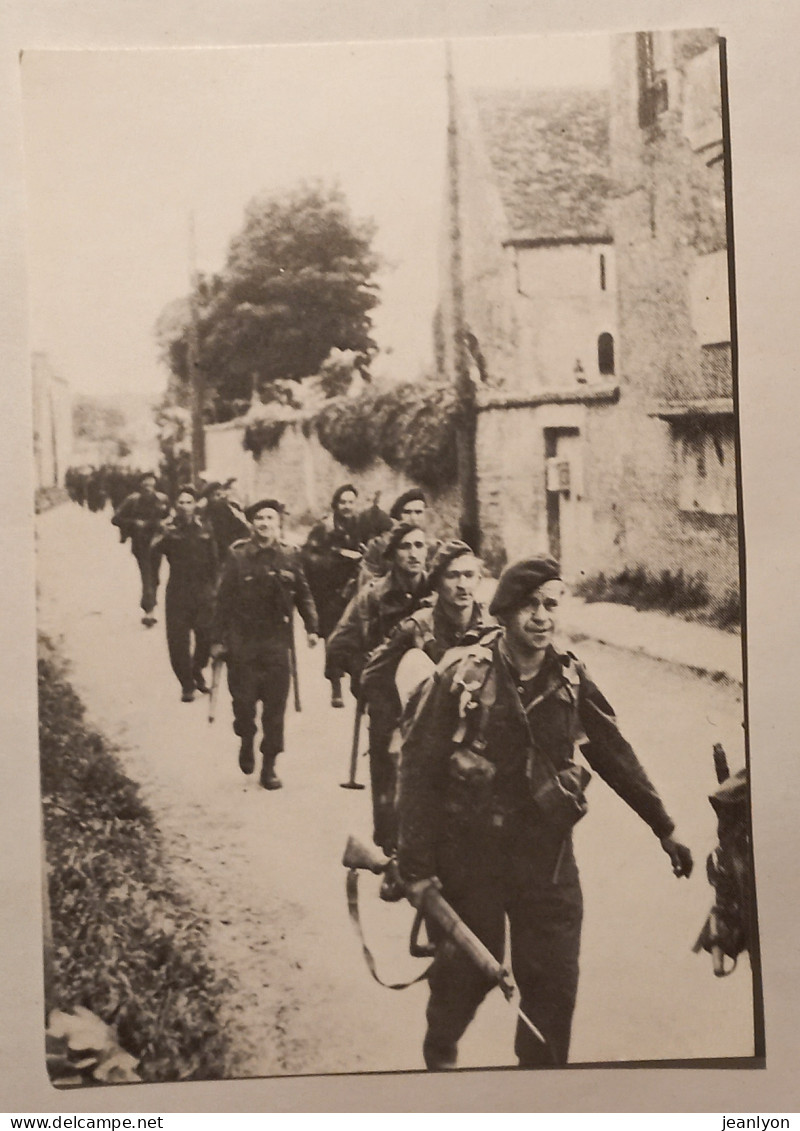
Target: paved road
(265,867)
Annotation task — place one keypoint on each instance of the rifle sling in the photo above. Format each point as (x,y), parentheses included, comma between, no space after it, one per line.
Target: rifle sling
(355,917)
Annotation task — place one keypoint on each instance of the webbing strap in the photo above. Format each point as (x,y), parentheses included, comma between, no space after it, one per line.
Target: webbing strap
(355,917)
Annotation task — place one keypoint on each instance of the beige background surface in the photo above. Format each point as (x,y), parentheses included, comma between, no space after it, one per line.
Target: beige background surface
(765,125)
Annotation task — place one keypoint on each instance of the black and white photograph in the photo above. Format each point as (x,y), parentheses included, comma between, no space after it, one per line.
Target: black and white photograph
(390,559)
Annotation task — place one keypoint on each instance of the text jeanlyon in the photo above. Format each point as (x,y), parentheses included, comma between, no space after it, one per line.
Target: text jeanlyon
(758,1122)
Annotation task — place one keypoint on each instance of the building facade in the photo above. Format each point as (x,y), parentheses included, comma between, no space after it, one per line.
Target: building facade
(52,424)
(677,502)
(594,275)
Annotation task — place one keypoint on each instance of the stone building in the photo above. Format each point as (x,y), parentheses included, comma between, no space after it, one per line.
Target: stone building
(674,498)
(594,274)
(538,276)
(52,423)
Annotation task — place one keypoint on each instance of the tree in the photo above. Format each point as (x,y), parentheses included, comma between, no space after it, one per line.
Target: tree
(298,283)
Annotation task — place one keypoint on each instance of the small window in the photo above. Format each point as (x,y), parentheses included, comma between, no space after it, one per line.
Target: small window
(605,355)
(602,272)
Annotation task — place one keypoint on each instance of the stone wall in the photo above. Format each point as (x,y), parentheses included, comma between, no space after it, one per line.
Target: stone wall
(669,228)
(303,475)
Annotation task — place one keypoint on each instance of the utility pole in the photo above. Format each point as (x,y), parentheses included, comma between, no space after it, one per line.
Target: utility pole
(196,375)
(465,390)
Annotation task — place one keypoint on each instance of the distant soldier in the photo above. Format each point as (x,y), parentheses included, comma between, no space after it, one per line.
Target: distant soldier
(262,583)
(96,490)
(331,557)
(225,519)
(489,793)
(188,545)
(139,518)
(367,621)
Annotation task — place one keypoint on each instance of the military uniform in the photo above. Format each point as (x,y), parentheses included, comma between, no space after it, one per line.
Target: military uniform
(330,574)
(428,629)
(227,523)
(259,588)
(488,796)
(367,622)
(190,549)
(139,517)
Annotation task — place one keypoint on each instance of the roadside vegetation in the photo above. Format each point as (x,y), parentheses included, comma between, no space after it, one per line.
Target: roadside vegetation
(677,593)
(126,945)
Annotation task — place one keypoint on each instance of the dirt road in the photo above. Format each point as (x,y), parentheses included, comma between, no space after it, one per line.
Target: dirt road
(266,869)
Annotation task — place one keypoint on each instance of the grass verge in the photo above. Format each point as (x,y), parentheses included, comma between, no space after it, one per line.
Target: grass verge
(677,593)
(126,944)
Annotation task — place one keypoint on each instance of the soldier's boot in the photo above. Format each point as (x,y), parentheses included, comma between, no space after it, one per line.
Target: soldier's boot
(187,695)
(247,760)
(269,779)
(200,683)
(439,1055)
(336,692)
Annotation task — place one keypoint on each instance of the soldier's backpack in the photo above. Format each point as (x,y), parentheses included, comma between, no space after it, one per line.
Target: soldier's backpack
(727,931)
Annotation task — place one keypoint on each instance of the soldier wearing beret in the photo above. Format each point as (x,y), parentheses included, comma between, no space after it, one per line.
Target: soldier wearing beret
(411,506)
(262,583)
(489,793)
(441,622)
(331,558)
(188,545)
(366,622)
(139,518)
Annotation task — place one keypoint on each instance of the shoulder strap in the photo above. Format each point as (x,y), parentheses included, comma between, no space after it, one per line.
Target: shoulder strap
(355,918)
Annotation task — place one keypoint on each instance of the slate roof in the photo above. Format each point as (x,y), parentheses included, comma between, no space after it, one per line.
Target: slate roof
(549,150)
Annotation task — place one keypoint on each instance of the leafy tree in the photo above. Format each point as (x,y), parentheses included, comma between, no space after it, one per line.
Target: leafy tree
(298,283)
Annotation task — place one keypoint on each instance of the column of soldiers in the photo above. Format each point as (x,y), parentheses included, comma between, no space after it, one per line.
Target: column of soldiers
(476,718)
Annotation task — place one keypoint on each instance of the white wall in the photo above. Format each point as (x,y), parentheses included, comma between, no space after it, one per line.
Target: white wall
(562,310)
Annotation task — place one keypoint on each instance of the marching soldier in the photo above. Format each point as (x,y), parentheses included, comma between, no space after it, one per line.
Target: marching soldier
(331,557)
(440,623)
(226,521)
(367,621)
(189,548)
(139,518)
(411,506)
(262,582)
(489,793)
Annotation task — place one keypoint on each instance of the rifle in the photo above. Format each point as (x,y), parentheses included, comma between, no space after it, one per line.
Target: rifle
(216,672)
(434,907)
(351,782)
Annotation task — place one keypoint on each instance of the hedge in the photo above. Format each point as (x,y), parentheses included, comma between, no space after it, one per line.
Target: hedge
(411,426)
(126,944)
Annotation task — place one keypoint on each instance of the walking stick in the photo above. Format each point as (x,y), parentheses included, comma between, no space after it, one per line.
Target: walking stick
(351,782)
(293,665)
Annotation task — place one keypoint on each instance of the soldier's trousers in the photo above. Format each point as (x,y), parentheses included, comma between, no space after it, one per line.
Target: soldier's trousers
(188,615)
(141,552)
(484,887)
(265,680)
(383,715)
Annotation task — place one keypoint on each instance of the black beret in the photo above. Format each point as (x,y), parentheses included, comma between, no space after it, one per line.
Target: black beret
(520,581)
(210,488)
(407,497)
(337,494)
(445,554)
(262,505)
(148,475)
(186,489)
(396,536)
